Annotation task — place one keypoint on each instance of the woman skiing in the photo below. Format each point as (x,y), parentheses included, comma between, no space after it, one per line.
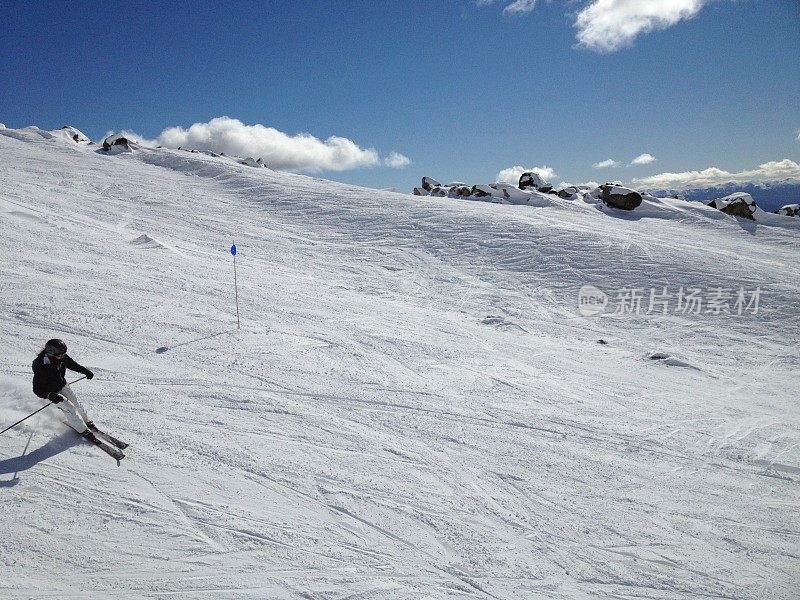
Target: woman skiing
(49,383)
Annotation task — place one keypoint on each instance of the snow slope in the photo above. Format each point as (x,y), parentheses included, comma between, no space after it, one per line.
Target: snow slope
(413,406)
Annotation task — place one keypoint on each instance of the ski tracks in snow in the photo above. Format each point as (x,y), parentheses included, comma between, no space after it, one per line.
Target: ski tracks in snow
(412,407)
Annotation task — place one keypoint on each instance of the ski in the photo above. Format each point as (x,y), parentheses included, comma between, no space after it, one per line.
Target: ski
(107,448)
(107,437)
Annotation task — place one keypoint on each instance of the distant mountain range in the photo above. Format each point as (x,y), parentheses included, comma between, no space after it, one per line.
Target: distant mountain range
(769,196)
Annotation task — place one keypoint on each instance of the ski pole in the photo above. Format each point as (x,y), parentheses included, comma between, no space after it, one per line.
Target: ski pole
(21,420)
(36,411)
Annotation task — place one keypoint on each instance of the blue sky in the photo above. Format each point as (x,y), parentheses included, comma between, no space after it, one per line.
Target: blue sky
(463,89)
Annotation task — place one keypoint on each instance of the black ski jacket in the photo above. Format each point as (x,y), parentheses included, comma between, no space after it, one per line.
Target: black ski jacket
(48,378)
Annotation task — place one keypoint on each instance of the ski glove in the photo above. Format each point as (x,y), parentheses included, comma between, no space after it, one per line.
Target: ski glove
(89,374)
(55,397)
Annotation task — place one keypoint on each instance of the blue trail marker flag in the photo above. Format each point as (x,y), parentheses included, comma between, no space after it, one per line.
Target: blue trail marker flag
(236,285)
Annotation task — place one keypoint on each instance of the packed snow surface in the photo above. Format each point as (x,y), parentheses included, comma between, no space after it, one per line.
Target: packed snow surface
(413,407)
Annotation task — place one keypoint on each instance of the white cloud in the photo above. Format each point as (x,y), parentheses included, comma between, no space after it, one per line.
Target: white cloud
(767,172)
(797,139)
(605,164)
(517,7)
(643,159)
(512,174)
(396,160)
(302,152)
(520,7)
(589,184)
(608,25)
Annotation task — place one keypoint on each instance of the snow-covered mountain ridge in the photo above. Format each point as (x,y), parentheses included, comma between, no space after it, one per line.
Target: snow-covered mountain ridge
(414,406)
(770,195)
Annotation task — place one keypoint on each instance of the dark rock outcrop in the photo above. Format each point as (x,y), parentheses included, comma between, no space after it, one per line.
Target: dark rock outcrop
(619,197)
(736,205)
(461,191)
(529,179)
(428,183)
(568,192)
(789,210)
(118,141)
(481,191)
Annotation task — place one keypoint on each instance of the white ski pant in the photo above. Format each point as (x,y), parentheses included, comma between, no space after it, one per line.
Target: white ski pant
(73,410)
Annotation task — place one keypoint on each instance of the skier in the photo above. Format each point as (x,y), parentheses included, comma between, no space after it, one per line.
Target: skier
(49,383)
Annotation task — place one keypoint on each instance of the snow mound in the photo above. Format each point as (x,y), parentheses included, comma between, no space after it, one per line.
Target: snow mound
(145,241)
(27,134)
(670,361)
(514,195)
(33,133)
(252,162)
(70,133)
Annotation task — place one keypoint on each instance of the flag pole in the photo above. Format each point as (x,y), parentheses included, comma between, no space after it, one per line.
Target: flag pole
(236,286)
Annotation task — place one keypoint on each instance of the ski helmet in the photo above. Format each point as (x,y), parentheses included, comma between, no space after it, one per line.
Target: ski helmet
(55,346)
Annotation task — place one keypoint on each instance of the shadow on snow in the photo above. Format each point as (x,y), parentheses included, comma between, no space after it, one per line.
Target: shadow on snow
(163,349)
(57,445)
